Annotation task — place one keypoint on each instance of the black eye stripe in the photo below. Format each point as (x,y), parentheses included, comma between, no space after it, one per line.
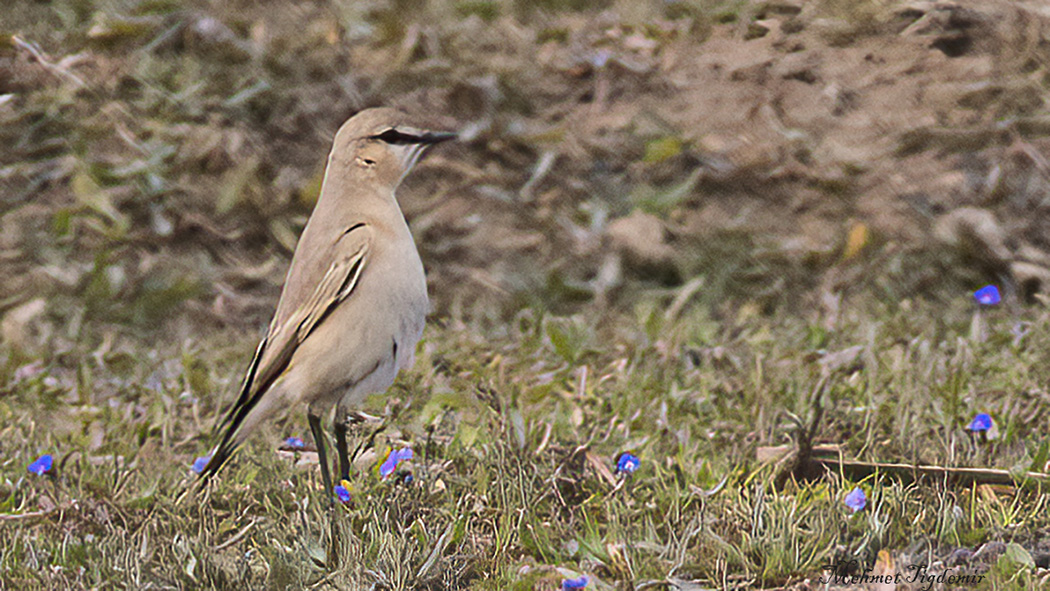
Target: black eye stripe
(393,136)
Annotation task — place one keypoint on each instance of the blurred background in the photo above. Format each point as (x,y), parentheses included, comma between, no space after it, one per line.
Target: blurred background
(160,157)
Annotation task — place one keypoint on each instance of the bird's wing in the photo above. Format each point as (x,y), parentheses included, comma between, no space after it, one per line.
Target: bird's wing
(272,356)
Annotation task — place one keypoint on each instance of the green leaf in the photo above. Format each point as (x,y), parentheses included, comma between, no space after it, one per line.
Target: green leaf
(1042,455)
(481,479)
(195,373)
(1016,554)
(90,194)
(662,149)
(111,27)
(467,434)
(659,201)
(570,337)
(62,221)
(518,422)
(559,337)
(486,9)
(654,324)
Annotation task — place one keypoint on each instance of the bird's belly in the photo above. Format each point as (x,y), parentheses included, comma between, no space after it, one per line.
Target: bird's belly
(379,381)
(355,352)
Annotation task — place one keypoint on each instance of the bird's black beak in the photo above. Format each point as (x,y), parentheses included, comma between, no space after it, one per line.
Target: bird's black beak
(436,137)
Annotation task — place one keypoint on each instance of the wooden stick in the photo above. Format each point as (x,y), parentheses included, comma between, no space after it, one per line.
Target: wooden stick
(828,457)
(961,476)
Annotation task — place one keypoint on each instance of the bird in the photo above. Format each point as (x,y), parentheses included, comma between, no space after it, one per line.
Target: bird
(354,301)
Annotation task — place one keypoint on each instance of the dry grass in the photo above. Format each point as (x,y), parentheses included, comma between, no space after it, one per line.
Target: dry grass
(509,437)
(647,241)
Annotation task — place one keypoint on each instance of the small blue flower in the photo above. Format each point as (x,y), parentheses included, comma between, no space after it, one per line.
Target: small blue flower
(41,465)
(393,459)
(627,463)
(200,463)
(981,422)
(578,583)
(342,493)
(987,295)
(294,442)
(856,500)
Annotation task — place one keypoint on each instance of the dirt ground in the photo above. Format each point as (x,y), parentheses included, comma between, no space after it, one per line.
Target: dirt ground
(776,145)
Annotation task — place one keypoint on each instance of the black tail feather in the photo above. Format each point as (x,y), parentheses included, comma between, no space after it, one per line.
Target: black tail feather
(222,453)
(246,400)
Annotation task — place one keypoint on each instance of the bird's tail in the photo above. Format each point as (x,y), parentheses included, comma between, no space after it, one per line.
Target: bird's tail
(218,457)
(234,418)
(227,445)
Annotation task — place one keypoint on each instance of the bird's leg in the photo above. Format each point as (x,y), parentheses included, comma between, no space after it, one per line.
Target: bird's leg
(340,446)
(322,456)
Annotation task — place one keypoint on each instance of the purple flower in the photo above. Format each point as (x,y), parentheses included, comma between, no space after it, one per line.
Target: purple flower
(627,463)
(856,500)
(393,459)
(987,295)
(342,493)
(981,422)
(41,465)
(294,442)
(200,463)
(577,583)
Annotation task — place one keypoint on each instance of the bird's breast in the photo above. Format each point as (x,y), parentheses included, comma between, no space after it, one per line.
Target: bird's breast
(407,291)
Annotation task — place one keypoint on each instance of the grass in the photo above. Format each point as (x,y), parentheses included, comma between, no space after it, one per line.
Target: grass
(518,404)
(509,432)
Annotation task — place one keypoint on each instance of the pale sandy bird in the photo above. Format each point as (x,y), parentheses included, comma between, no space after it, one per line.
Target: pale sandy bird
(355,298)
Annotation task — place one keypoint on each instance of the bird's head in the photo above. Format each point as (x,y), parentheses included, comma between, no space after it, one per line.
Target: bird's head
(383,143)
